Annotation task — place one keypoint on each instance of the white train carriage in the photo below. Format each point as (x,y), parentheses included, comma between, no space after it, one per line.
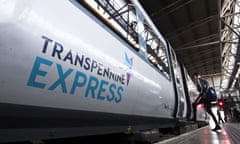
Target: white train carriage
(68,69)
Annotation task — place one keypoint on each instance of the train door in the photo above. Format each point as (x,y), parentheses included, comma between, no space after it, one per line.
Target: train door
(190,91)
(181,111)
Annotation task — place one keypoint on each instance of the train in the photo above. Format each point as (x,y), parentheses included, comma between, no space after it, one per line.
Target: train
(81,68)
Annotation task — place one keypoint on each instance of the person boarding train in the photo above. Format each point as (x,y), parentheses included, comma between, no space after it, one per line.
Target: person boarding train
(206,95)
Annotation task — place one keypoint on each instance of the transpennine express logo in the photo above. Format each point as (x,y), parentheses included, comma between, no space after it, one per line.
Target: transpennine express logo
(86,76)
(129,63)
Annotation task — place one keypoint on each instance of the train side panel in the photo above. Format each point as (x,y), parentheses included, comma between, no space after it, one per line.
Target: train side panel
(62,68)
(54,60)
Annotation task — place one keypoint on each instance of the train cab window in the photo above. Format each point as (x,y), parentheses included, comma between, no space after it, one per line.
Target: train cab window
(131,25)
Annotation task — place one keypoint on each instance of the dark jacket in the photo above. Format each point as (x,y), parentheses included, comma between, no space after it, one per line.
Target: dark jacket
(202,86)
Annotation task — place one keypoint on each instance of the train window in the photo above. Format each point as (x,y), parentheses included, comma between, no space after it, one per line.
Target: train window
(157,55)
(128,22)
(153,48)
(118,16)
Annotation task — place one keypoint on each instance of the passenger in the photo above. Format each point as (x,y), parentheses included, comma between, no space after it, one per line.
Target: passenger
(202,86)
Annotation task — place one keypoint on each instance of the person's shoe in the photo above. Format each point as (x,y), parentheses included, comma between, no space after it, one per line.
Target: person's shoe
(216,128)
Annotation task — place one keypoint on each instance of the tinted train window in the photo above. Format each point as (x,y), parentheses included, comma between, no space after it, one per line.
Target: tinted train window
(129,23)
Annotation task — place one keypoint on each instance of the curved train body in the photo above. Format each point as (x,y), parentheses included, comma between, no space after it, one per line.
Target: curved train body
(64,73)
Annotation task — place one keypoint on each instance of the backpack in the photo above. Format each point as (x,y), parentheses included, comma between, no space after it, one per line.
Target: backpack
(211,94)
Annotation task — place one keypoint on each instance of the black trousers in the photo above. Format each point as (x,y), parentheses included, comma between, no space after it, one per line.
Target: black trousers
(208,109)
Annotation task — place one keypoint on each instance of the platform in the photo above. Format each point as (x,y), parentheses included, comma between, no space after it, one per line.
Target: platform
(229,134)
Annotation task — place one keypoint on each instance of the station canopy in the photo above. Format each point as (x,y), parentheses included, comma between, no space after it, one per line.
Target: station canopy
(204,34)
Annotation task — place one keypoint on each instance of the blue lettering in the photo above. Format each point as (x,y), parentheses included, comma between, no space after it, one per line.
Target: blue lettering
(92,86)
(94,65)
(69,57)
(119,90)
(100,70)
(61,80)
(47,40)
(95,88)
(56,50)
(37,72)
(102,90)
(110,98)
(87,63)
(76,83)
